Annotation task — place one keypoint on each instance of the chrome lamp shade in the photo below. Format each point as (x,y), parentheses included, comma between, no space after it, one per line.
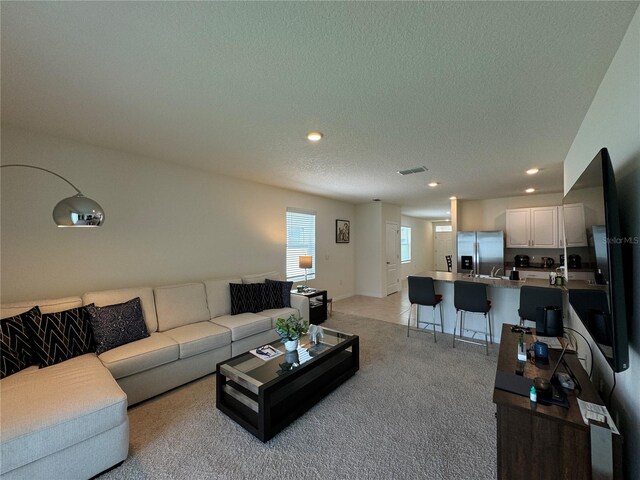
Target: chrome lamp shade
(78,211)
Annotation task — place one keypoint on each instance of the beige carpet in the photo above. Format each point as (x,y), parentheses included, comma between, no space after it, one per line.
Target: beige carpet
(416,409)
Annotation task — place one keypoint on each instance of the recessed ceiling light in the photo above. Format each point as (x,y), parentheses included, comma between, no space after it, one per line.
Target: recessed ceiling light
(434,184)
(530,190)
(453,198)
(314,136)
(532,171)
(448,213)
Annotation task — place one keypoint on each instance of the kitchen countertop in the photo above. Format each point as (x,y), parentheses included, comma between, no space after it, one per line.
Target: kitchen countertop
(450,277)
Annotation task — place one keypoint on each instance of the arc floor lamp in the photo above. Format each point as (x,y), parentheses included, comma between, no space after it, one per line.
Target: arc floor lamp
(76,211)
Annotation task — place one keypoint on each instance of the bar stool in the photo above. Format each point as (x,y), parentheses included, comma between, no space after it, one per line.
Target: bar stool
(533,297)
(422,292)
(471,297)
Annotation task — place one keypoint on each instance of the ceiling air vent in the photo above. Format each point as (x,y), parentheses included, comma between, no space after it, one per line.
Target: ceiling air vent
(413,170)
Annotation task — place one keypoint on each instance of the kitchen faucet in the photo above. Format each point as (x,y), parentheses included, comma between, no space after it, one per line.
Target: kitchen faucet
(495,273)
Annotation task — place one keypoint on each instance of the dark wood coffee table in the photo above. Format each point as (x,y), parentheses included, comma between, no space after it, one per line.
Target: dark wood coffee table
(266,396)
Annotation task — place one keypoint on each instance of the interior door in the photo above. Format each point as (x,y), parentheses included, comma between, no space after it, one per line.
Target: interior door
(393,258)
(443,246)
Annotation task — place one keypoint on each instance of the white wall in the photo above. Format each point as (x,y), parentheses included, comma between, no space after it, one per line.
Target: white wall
(369,249)
(613,121)
(164,223)
(421,246)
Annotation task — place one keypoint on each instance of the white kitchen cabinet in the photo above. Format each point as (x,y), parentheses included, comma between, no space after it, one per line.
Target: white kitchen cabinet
(571,220)
(532,227)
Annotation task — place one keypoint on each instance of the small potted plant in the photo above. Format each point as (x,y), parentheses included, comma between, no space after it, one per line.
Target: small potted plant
(290,330)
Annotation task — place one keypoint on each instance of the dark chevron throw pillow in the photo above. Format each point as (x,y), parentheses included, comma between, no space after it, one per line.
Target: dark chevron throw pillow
(59,336)
(271,296)
(246,297)
(15,347)
(286,291)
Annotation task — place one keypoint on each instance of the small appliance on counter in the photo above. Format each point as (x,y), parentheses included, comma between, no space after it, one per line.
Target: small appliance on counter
(562,259)
(514,274)
(522,261)
(575,261)
(547,262)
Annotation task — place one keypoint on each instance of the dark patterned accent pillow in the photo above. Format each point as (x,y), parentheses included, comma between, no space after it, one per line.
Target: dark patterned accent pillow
(15,346)
(271,296)
(286,291)
(116,325)
(56,337)
(246,297)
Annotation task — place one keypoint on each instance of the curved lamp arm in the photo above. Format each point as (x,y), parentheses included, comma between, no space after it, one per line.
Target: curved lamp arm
(44,170)
(76,211)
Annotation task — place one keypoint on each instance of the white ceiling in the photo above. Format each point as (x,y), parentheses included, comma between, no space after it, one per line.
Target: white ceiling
(477,92)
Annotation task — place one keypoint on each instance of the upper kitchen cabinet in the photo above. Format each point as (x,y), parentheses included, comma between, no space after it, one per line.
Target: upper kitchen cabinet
(532,227)
(571,218)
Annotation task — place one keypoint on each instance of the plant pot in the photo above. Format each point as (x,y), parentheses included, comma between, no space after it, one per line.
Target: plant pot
(290,345)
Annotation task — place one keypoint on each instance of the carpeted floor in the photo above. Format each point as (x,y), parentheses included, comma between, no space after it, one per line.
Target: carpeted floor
(416,409)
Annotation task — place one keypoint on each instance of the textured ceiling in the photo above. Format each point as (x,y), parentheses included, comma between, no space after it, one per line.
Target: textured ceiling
(475,91)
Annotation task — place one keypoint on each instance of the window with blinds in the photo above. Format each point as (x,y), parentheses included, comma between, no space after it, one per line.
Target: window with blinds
(301,240)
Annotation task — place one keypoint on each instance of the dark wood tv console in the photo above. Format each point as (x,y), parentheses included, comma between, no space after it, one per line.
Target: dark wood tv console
(544,442)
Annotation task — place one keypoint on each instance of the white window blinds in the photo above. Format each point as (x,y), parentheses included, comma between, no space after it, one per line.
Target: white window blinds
(301,240)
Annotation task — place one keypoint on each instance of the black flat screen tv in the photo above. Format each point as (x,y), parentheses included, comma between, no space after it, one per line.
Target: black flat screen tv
(600,304)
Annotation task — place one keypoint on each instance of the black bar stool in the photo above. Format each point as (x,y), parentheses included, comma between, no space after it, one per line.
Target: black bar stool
(422,292)
(471,297)
(533,297)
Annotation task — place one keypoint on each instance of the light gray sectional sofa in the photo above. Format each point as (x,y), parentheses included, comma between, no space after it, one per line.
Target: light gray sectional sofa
(69,420)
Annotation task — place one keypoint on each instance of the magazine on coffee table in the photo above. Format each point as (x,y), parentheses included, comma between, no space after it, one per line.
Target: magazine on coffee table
(266,352)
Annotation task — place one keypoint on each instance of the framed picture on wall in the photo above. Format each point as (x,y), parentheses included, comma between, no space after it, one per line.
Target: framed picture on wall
(342,231)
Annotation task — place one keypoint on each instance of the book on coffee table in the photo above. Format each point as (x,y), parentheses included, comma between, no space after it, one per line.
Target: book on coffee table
(266,352)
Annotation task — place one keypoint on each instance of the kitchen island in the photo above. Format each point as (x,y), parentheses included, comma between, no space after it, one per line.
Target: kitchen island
(503,293)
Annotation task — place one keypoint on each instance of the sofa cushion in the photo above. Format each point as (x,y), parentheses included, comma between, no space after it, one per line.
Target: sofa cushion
(271,296)
(46,306)
(153,351)
(15,346)
(285,289)
(219,296)
(199,337)
(246,297)
(276,313)
(56,337)
(179,305)
(260,277)
(48,410)
(111,297)
(244,324)
(115,325)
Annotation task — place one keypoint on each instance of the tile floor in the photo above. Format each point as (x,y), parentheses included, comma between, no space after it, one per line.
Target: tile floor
(393,308)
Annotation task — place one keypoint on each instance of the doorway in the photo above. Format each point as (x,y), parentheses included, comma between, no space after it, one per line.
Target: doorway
(442,246)
(392,258)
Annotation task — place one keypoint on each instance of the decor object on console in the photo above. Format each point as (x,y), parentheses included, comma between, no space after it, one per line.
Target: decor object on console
(76,211)
(316,334)
(290,330)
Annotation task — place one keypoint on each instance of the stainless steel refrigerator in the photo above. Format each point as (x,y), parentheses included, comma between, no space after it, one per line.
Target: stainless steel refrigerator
(481,252)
